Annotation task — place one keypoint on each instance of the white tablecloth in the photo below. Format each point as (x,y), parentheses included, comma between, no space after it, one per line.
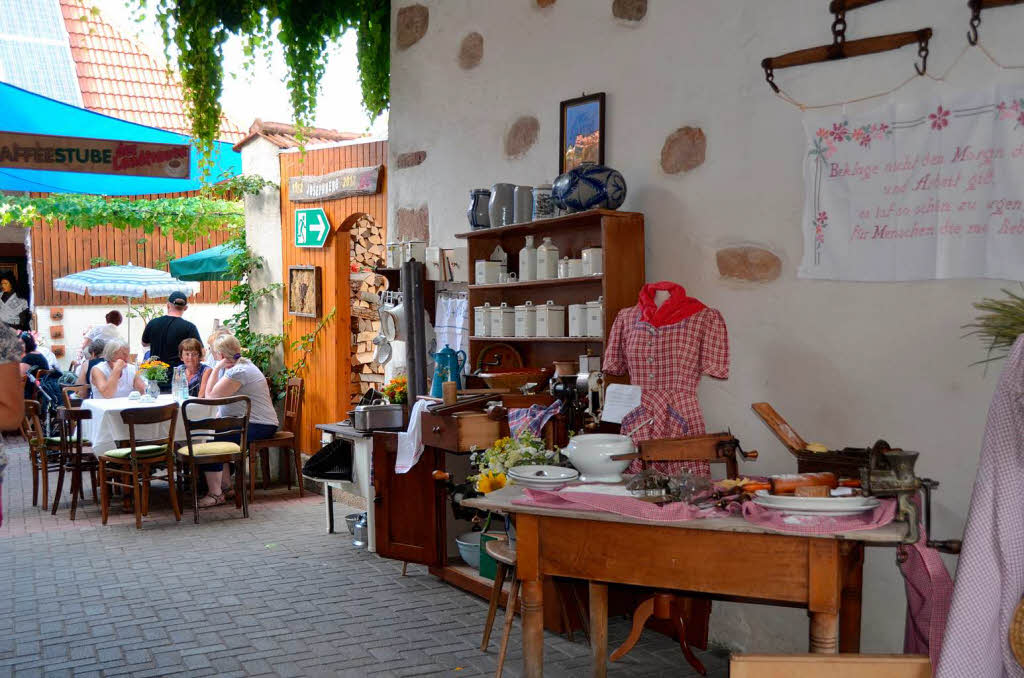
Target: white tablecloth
(106,426)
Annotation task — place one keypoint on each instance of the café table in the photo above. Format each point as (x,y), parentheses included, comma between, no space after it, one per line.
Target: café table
(725,558)
(106,426)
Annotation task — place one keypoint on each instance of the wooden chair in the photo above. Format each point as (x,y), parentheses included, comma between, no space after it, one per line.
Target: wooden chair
(132,465)
(214,451)
(44,453)
(74,395)
(284,440)
(73,458)
(714,448)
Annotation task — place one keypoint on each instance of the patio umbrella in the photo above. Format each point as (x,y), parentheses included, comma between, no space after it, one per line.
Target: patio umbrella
(209,264)
(124,281)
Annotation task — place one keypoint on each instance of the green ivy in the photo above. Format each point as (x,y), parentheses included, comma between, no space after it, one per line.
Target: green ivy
(198,29)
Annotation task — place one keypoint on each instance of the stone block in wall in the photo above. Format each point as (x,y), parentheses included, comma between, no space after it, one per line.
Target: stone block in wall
(411,159)
(411,25)
(629,10)
(412,223)
(749,263)
(521,136)
(683,150)
(471,51)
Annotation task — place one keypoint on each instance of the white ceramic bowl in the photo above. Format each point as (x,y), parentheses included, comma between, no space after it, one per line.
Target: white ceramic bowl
(541,476)
(591,454)
(469,548)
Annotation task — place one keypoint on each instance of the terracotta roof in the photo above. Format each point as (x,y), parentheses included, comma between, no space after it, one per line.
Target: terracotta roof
(119,77)
(282,135)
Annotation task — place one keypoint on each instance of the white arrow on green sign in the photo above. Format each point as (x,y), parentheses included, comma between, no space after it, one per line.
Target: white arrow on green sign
(311,227)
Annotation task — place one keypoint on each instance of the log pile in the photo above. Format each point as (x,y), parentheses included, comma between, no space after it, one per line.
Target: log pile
(367,252)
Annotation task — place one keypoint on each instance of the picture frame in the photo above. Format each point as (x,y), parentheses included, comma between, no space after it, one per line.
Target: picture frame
(304,291)
(580,119)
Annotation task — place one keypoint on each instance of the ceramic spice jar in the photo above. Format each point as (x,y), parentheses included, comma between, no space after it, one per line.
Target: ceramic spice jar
(578,320)
(593,261)
(543,205)
(528,261)
(547,260)
(550,320)
(523,204)
(526,320)
(501,204)
(482,320)
(595,318)
(503,321)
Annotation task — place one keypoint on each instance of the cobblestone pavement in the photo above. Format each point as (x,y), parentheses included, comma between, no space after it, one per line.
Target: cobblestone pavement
(270,596)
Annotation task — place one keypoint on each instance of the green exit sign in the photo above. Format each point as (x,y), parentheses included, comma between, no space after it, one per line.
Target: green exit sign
(311,227)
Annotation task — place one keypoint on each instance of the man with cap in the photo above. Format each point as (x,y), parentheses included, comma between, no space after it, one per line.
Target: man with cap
(163,335)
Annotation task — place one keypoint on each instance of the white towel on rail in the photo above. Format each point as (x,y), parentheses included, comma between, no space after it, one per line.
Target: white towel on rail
(410,443)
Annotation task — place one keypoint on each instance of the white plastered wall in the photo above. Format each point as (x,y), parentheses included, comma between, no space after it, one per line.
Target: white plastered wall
(844,363)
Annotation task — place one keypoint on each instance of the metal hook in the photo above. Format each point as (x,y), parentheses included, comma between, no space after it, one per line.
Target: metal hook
(922,51)
(972,34)
(769,74)
(901,554)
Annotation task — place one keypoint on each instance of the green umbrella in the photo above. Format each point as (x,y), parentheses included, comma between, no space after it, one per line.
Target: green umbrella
(211,264)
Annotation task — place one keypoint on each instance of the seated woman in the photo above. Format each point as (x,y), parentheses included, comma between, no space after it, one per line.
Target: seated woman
(31,362)
(196,371)
(235,375)
(94,356)
(115,377)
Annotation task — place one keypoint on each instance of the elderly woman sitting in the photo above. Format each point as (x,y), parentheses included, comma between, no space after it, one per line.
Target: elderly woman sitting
(235,375)
(196,371)
(115,377)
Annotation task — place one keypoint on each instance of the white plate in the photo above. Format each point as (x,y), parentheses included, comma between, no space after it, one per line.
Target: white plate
(816,506)
(543,472)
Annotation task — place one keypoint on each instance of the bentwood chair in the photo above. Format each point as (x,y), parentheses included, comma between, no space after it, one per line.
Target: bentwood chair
(73,458)
(74,395)
(43,452)
(224,450)
(132,466)
(283,439)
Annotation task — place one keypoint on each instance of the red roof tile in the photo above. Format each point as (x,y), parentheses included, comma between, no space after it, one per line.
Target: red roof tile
(120,78)
(282,135)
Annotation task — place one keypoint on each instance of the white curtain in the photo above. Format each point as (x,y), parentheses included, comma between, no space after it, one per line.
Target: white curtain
(452,326)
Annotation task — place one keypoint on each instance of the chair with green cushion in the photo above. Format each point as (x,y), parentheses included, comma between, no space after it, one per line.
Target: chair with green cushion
(44,454)
(200,450)
(73,459)
(134,464)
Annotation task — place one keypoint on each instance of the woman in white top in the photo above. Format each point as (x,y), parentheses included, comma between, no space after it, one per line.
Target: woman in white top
(115,377)
(234,375)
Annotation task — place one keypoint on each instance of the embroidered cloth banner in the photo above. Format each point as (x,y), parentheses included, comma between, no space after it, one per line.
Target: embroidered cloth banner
(917,191)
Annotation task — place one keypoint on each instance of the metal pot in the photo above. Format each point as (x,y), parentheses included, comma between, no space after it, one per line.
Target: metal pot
(376,417)
(351,520)
(359,534)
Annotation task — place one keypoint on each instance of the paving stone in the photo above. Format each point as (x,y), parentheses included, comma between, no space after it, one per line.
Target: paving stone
(243,618)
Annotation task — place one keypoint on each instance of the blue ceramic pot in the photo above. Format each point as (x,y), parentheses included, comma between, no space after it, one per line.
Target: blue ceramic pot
(589,186)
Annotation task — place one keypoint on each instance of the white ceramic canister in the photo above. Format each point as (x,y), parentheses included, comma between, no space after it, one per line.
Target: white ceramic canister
(593,261)
(563,267)
(482,320)
(590,363)
(550,320)
(547,260)
(528,261)
(577,320)
(394,255)
(575,268)
(523,212)
(595,318)
(414,249)
(543,205)
(503,321)
(526,320)
(487,271)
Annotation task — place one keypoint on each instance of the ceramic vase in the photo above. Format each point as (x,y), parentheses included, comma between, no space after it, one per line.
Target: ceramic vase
(477,213)
(153,388)
(524,204)
(589,186)
(502,204)
(543,206)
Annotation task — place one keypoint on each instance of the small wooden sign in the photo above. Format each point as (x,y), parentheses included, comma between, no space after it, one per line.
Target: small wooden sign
(344,183)
(56,331)
(56,314)
(97,156)
(58,350)
(304,291)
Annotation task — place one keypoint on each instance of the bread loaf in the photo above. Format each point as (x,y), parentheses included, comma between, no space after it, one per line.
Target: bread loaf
(787,484)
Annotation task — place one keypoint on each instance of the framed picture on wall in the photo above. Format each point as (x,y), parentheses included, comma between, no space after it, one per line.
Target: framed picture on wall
(304,293)
(581,131)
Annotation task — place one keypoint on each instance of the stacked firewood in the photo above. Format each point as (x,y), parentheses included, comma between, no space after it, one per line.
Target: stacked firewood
(367,253)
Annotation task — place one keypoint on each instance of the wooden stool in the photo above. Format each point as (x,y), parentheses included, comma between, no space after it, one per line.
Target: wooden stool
(505,557)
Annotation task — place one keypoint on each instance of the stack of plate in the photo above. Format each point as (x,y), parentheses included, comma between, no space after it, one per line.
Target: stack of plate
(816,506)
(541,477)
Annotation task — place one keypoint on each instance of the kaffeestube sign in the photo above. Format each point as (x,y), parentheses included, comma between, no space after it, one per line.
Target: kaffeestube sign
(344,183)
(97,156)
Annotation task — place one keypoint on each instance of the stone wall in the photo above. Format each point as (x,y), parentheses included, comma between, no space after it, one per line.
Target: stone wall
(844,363)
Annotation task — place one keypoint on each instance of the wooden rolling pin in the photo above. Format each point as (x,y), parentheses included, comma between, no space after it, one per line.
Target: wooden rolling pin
(787,484)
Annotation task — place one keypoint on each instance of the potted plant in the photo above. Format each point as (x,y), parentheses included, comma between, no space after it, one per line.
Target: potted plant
(397,393)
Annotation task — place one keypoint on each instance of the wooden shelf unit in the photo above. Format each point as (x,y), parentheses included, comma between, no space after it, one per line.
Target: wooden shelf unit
(621,237)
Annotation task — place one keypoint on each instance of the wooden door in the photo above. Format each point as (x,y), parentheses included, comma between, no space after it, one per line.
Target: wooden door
(408,507)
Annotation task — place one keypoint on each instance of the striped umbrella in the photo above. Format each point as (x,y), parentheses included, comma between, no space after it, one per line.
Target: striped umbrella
(124,281)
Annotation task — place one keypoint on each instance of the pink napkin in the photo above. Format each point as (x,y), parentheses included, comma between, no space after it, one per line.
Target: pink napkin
(775,520)
(623,506)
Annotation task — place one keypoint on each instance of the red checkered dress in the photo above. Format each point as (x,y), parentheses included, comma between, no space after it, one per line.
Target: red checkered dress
(667,363)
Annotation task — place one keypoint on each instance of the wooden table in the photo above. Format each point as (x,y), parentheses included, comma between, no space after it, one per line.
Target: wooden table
(727,558)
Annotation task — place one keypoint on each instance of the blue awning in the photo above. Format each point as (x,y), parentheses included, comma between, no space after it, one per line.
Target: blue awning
(30,113)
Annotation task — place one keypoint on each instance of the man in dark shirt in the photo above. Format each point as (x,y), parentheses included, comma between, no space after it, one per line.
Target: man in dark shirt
(163,335)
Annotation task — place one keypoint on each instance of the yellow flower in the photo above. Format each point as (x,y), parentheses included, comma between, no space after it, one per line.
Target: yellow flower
(489,482)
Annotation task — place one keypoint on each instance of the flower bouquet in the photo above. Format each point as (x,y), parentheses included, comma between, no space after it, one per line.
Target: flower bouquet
(397,390)
(491,464)
(154,371)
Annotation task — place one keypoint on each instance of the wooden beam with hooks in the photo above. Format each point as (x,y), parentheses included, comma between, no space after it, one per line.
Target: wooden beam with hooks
(976,6)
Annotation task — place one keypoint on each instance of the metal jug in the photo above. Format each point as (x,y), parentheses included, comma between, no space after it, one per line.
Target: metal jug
(359,533)
(448,365)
